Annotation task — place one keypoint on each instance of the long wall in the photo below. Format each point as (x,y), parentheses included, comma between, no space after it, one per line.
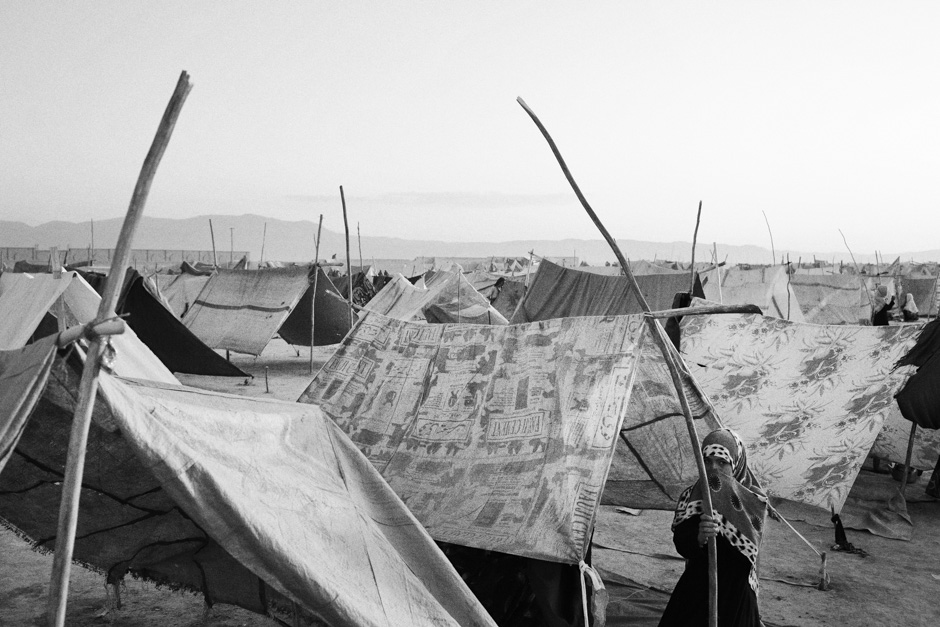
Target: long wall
(140,259)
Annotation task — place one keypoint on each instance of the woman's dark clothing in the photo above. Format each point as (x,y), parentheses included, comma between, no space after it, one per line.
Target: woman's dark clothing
(688,605)
(882,316)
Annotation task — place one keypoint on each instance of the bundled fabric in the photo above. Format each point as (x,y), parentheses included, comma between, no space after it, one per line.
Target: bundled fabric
(808,400)
(557,292)
(332,316)
(252,502)
(832,298)
(241,310)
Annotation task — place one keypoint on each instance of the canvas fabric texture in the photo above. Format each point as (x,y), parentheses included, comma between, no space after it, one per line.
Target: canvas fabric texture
(437,300)
(23,372)
(24,300)
(332,316)
(925,293)
(808,400)
(558,292)
(765,287)
(832,298)
(241,310)
(251,502)
(182,290)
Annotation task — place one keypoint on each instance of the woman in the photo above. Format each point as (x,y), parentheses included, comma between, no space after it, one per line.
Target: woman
(740,508)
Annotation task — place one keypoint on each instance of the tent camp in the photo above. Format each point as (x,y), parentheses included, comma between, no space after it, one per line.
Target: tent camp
(445,297)
(241,310)
(331,319)
(181,290)
(832,298)
(557,292)
(251,502)
(503,293)
(767,287)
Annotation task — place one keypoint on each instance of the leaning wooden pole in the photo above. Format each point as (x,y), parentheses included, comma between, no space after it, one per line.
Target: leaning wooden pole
(660,340)
(359,238)
(215,259)
(75,462)
(348,259)
(264,238)
(313,298)
(698,218)
(907,459)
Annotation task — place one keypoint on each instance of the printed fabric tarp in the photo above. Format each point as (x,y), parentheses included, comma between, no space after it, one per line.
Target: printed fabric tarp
(446,297)
(241,310)
(557,292)
(23,375)
(251,502)
(79,306)
(332,316)
(765,287)
(808,400)
(501,437)
(832,298)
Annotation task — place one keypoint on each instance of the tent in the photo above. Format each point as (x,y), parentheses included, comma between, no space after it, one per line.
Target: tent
(503,293)
(241,310)
(252,502)
(832,298)
(163,333)
(557,292)
(181,290)
(808,400)
(445,297)
(925,291)
(332,316)
(767,287)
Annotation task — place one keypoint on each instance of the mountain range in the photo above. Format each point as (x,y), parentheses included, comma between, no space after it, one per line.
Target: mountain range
(283,240)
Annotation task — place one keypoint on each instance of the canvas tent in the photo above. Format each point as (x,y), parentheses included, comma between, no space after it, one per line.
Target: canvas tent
(557,292)
(332,316)
(252,502)
(767,287)
(925,292)
(241,310)
(503,293)
(181,290)
(832,298)
(445,297)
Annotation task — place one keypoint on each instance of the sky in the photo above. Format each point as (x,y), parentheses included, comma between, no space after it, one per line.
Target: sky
(812,117)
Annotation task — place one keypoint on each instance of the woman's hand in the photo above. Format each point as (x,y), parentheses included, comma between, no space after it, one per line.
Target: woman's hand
(708,528)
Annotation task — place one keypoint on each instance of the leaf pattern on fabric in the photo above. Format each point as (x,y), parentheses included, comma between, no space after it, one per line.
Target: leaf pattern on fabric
(808,400)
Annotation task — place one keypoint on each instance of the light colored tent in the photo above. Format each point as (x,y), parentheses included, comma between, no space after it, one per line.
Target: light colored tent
(832,298)
(810,401)
(181,290)
(926,292)
(767,287)
(26,298)
(252,502)
(445,297)
(241,310)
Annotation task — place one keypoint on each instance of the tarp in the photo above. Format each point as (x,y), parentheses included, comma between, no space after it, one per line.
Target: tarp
(557,292)
(163,333)
(832,298)
(241,310)
(765,287)
(252,502)
(925,294)
(182,290)
(23,375)
(445,297)
(808,400)
(504,294)
(500,437)
(332,317)
(80,305)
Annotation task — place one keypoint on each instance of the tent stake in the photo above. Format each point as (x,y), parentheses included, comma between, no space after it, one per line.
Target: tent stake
(658,335)
(313,298)
(348,260)
(81,422)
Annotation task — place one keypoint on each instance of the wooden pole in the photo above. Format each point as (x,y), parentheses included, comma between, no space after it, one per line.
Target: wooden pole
(264,237)
(91,253)
(717,271)
(698,218)
(313,298)
(215,259)
(72,480)
(659,335)
(773,252)
(231,240)
(359,237)
(858,272)
(348,259)
(907,460)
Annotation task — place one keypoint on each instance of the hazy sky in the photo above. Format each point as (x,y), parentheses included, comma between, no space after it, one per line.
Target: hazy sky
(824,115)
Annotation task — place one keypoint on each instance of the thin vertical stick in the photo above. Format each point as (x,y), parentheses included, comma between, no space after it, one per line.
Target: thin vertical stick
(717,270)
(659,335)
(75,462)
(264,237)
(313,298)
(215,259)
(907,460)
(359,237)
(348,259)
(698,218)
(773,252)
(858,272)
(91,253)
(231,240)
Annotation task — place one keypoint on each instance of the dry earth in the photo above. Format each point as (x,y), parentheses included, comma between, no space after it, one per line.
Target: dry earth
(898,583)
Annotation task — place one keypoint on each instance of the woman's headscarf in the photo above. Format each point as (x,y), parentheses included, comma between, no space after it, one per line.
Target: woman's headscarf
(739,506)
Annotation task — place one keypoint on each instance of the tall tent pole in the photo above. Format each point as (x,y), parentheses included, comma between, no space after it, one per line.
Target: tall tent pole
(698,218)
(670,362)
(264,237)
(348,259)
(313,298)
(231,241)
(215,259)
(91,253)
(359,237)
(717,270)
(81,422)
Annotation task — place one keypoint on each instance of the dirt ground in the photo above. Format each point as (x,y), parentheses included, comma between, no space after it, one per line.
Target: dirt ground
(897,583)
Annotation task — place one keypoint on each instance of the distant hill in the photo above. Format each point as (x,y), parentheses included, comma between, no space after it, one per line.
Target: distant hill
(294,241)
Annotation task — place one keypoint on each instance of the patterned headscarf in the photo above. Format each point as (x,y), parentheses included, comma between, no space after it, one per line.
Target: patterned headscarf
(739,506)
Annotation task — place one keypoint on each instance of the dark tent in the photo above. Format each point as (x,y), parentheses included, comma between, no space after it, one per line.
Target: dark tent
(919,399)
(163,332)
(332,317)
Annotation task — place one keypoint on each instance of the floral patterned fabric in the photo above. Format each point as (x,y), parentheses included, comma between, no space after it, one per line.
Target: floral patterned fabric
(808,400)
